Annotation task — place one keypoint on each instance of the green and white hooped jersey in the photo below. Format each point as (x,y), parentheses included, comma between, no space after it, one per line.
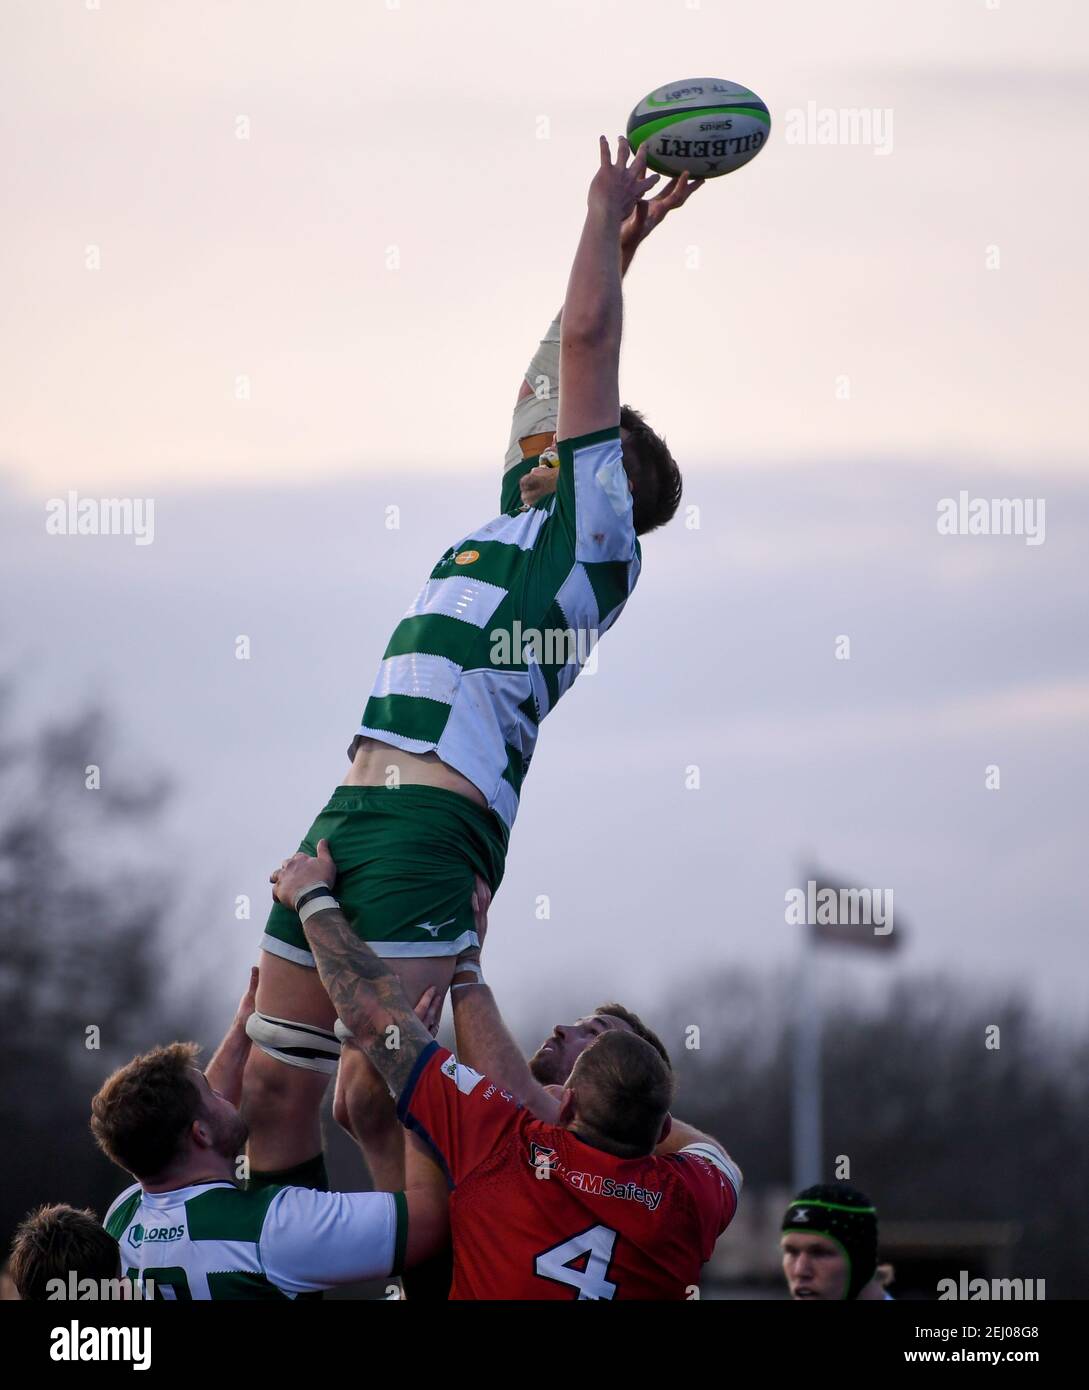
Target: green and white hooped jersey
(509,617)
(217,1241)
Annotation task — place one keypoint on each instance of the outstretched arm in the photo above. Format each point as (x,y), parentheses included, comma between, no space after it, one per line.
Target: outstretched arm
(224,1072)
(366,994)
(591,326)
(647,214)
(484,1041)
(618,220)
(535,412)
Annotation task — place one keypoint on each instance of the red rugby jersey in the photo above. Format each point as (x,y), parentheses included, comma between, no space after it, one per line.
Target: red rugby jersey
(535,1213)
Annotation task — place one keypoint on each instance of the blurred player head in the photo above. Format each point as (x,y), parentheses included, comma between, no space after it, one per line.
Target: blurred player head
(55,1241)
(552,1062)
(652,472)
(157,1116)
(829,1244)
(618,1095)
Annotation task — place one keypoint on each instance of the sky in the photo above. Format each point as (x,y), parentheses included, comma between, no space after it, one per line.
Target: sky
(289,333)
(393,231)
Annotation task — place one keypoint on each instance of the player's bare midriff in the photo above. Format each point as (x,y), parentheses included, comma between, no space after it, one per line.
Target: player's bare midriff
(373,763)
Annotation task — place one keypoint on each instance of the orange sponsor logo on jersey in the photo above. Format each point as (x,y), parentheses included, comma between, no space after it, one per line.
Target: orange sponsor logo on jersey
(466,557)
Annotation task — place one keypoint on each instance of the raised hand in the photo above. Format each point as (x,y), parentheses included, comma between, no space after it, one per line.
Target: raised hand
(648,213)
(618,187)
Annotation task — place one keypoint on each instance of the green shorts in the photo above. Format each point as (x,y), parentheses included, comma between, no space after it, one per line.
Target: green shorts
(406,858)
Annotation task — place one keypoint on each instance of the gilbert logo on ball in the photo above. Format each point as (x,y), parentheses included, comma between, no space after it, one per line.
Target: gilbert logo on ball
(704,124)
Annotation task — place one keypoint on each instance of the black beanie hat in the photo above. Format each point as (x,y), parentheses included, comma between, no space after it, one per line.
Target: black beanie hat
(846,1216)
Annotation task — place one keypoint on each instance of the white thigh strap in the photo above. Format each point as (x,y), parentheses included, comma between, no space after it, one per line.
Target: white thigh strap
(296,1044)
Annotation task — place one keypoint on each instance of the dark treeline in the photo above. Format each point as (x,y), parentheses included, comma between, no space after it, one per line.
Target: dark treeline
(937,1125)
(84,970)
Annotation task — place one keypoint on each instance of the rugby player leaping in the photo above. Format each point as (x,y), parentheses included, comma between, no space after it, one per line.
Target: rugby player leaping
(451,724)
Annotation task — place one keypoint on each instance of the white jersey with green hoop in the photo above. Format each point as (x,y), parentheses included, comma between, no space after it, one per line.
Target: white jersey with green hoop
(511,614)
(217,1241)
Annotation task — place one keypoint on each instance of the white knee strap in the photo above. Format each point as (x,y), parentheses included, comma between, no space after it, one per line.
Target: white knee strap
(296,1044)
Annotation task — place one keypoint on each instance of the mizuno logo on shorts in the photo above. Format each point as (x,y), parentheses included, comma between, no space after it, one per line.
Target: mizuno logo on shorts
(426,926)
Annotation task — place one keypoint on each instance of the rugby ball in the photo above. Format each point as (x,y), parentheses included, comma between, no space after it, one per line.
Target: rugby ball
(704,124)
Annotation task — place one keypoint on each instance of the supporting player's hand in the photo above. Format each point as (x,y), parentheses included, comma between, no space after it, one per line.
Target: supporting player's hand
(482,900)
(617,188)
(429,1008)
(649,212)
(538,483)
(248,1003)
(300,872)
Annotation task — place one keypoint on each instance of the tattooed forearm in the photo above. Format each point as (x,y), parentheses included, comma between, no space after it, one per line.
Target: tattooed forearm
(367,996)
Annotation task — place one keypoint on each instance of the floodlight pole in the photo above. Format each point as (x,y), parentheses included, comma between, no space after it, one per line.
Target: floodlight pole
(806,1072)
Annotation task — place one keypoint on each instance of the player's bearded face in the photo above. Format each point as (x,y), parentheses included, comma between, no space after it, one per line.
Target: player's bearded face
(230,1132)
(553,1061)
(229,1129)
(547,1064)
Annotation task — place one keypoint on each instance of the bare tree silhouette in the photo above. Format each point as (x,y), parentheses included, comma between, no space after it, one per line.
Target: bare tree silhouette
(84,982)
(938,1126)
